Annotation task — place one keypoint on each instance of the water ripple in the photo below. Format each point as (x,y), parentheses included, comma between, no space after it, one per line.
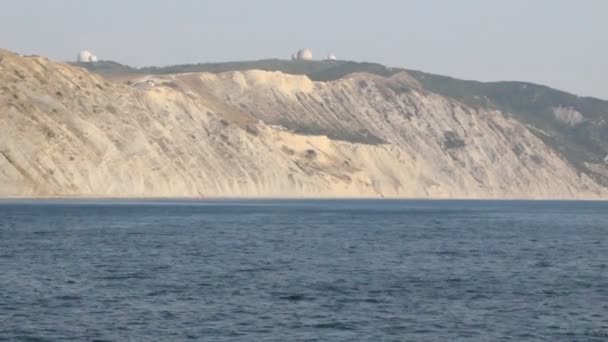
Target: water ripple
(304,271)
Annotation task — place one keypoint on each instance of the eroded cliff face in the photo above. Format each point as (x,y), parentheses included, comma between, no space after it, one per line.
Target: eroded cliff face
(67,132)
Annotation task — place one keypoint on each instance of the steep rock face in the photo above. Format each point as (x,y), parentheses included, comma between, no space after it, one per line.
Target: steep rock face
(67,132)
(451,149)
(575,126)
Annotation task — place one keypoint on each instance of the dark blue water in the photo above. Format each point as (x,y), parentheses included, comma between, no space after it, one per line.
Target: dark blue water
(304,271)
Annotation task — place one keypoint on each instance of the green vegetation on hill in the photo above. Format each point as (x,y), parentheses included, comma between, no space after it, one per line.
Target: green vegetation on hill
(315,70)
(107,67)
(582,142)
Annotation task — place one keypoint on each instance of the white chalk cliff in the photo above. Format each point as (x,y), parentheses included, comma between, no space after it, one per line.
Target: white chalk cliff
(68,132)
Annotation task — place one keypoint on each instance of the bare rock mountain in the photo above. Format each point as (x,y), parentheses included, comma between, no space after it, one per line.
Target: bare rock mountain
(281,129)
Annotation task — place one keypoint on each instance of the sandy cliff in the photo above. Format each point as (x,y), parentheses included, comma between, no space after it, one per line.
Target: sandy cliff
(68,132)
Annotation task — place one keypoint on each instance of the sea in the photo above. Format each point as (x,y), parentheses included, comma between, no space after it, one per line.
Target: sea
(303,270)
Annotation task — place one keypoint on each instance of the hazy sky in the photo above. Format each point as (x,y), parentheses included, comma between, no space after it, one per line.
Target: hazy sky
(560,43)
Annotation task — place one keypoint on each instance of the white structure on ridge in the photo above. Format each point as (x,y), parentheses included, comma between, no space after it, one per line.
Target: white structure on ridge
(302,55)
(86,57)
(331,57)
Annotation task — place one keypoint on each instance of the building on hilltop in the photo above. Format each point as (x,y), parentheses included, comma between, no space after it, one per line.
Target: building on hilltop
(86,57)
(302,55)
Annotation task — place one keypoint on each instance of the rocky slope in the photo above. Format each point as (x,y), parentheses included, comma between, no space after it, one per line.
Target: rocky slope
(253,133)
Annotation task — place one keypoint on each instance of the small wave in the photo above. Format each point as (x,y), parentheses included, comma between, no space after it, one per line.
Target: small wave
(454,280)
(125,276)
(335,325)
(543,264)
(27,338)
(297,298)
(68,297)
(253,270)
(156,293)
(43,233)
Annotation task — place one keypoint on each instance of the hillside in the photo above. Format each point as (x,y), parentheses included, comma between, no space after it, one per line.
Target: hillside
(574,126)
(290,129)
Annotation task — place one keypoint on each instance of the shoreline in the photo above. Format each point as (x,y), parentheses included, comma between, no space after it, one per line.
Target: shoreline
(86,199)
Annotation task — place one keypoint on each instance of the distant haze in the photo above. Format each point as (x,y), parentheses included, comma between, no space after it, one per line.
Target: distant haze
(559,43)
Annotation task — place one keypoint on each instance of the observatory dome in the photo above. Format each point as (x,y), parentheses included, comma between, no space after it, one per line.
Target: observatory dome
(331,57)
(86,57)
(303,55)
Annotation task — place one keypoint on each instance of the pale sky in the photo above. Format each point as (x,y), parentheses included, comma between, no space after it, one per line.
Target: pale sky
(560,43)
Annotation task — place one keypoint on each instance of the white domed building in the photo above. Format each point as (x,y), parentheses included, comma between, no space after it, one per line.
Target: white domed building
(302,55)
(332,57)
(86,57)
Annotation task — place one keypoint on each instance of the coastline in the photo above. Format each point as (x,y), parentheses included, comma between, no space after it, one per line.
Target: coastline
(85,199)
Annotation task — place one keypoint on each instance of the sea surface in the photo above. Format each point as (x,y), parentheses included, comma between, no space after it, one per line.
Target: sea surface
(303,271)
